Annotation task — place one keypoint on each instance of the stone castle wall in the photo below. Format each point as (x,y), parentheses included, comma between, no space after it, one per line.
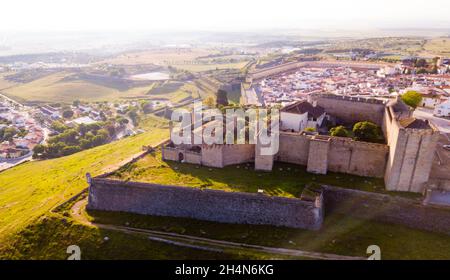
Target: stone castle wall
(294,148)
(351,109)
(410,157)
(290,66)
(212,155)
(318,154)
(170,153)
(358,158)
(235,154)
(339,155)
(386,208)
(210,205)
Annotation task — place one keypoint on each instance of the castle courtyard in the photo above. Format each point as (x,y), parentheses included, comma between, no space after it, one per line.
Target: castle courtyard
(285,180)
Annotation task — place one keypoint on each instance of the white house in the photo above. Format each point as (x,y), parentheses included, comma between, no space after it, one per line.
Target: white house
(300,115)
(443,109)
(430,100)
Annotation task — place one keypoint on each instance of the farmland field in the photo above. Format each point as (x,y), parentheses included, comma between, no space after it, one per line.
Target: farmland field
(58,88)
(438,46)
(62,87)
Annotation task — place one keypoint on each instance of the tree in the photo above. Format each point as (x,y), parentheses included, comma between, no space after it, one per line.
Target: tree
(134,116)
(221,97)
(68,150)
(7,134)
(38,150)
(147,107)
(310,129)
(367,131)
(412,98)
(339,131)
(67,114)
(210,102)
(422,71)
(58,126)
(421,63)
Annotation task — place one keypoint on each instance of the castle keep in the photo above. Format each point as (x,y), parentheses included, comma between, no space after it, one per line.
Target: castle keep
(404,161)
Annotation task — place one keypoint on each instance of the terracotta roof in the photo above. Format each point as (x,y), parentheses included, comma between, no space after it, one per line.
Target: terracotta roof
(414,123)
(302,107)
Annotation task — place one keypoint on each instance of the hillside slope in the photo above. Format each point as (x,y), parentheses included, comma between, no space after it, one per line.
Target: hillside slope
(29,190)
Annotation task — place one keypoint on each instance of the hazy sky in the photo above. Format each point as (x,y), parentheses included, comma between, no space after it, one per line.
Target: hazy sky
(31,15)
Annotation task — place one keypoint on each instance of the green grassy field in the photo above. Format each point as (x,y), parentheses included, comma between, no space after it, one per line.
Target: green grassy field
(49,238)
(31,189)
(58,88)
(151,122)
(286,180)
(343,235)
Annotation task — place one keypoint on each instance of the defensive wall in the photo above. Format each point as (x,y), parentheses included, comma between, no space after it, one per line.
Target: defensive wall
(260,209)
(318,153)
(336,154)
(351,109)
(411,154)
(211,155)
(290,66)
(405,162)
(386,208)
(204,204)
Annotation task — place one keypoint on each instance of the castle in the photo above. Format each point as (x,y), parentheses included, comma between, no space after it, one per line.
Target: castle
(404,161)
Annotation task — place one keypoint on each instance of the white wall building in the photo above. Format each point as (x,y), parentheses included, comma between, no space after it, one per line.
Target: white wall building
(301,115)
(443,109)
(430,100)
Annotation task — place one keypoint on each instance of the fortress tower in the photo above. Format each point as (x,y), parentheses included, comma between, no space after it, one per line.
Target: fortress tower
(412,143)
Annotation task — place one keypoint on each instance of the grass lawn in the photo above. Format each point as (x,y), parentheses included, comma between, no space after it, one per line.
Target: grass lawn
(29,190)
(49,238)
(150,122)
(339,234)
(286,180)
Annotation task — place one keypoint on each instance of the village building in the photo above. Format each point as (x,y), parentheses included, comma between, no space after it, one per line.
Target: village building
(301,115)
(442,109)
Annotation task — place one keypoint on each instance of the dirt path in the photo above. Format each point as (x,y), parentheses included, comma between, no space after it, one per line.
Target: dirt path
(182,240)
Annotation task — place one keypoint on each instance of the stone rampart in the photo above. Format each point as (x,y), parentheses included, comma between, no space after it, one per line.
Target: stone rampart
(204,204)
(386,208)
(351,109)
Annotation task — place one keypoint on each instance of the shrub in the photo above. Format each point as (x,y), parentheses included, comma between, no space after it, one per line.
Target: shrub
(412,98)
(339,131)
(367,131)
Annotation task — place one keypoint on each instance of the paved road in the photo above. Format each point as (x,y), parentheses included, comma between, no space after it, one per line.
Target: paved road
(442,124)
(11,100)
